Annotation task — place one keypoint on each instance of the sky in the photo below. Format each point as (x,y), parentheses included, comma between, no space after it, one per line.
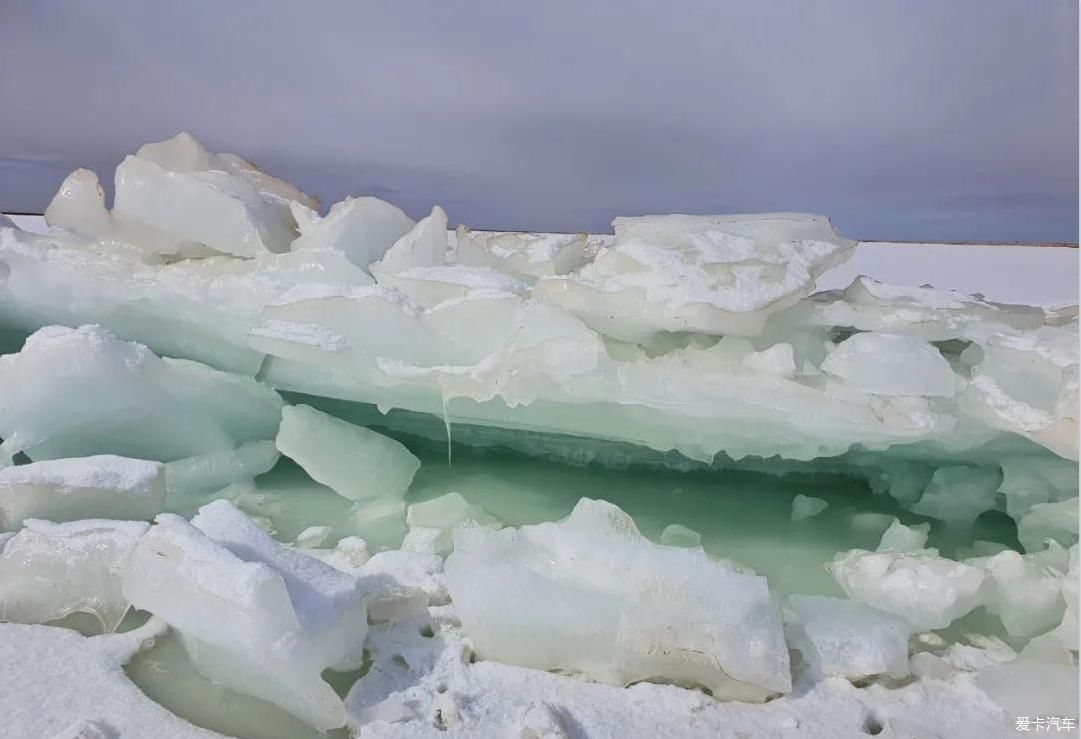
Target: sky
(924,120)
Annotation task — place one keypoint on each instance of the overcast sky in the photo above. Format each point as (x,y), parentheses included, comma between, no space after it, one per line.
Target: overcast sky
(899,119)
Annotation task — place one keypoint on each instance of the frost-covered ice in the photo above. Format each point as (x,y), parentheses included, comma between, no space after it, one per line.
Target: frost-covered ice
(258,617)
(103,486)
(49,570)
(615,607)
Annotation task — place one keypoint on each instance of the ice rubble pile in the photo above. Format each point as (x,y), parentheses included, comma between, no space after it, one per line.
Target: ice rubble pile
(162,331)
(692,333)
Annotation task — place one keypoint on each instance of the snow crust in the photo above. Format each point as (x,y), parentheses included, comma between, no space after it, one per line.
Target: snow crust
(102,486)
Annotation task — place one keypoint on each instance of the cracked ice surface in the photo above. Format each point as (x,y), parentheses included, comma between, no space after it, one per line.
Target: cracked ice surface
(463,483)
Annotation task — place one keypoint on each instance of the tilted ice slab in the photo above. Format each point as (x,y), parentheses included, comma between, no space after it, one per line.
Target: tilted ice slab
(57,682)
(103,486)
(592,595)
(703,274)
(176,197)
(74,392)
(50,570)
(255,616)
(355,462)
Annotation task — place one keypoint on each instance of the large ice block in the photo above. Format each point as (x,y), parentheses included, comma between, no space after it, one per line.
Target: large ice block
(592,595)
(256,616)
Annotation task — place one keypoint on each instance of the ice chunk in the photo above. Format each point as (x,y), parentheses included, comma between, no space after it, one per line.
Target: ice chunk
(842,637)
(79,206)
(362,229)
(355,462)
(891,364)
(184,192)
(49,570)
(1057,521)
(217,470)
(900,538)
(1026,593)
(258,617)
(312,537)
(106,396)
(629,609)
(424,246)
(401,584)
(432,522)
(675,535)
(103,486)
(705,274)
(959,493)
(526,256)
(925,589)
(1027,383)
(804,506)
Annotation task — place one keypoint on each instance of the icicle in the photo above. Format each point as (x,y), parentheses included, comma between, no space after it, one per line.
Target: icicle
(446,425)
